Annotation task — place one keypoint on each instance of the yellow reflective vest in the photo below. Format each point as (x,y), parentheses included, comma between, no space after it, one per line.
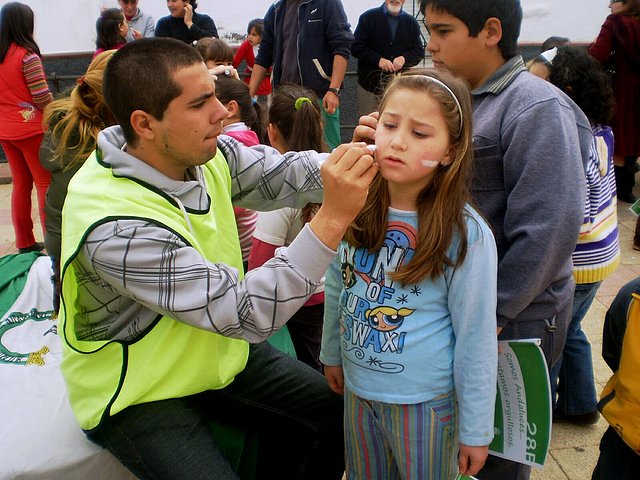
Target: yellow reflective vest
(171,359)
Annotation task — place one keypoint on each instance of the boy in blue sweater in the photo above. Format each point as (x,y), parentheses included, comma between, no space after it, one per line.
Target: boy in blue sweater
(531,143)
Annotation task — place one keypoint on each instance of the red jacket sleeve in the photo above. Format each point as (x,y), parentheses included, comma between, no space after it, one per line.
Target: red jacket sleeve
(260,253)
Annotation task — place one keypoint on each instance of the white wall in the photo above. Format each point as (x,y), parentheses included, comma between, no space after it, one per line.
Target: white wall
(66,26)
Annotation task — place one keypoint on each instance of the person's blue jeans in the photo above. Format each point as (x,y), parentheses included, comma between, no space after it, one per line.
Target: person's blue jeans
(289,404)
(573,390)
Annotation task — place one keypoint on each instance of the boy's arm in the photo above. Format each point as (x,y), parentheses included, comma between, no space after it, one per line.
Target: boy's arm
(545,185)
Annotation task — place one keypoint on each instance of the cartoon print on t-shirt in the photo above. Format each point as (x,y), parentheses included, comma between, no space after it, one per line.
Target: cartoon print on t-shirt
(372,307)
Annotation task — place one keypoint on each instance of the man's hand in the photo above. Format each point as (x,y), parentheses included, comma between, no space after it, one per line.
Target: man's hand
(224,71)
(136,34)
(386,65)
(471,459)
(335,378)
(188,15)
(366,129)
(398,63)
(257,74)
(330,102)
(346,175)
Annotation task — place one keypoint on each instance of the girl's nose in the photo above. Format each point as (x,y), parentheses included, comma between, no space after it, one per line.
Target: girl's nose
(398,141)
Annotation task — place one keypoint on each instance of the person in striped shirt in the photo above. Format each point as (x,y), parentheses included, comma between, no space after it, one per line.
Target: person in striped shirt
(597,253)
(23,95)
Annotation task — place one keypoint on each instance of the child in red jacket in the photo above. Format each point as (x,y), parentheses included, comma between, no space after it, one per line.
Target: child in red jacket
(248,51)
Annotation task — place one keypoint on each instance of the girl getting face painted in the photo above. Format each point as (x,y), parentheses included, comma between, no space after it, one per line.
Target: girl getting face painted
(414,138)
(406,264)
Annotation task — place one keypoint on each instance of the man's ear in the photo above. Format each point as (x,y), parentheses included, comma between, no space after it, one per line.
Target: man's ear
(143,123)
(493,31)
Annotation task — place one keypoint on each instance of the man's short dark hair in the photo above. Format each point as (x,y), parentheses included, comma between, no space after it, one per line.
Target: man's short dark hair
(475,13)
(139,76)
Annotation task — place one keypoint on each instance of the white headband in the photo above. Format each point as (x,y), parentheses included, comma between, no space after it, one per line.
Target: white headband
(549,55)
(449,91)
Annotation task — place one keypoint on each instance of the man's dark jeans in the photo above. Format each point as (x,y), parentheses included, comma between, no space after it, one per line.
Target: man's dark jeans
(297,417)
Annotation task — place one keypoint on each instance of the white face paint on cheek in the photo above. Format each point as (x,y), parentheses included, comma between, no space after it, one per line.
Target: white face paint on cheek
(430,163)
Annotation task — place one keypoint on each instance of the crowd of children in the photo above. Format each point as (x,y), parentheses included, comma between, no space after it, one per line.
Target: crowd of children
(403,326)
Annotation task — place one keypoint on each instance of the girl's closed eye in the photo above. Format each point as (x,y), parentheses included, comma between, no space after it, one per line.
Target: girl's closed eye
(389,125)
(420,134)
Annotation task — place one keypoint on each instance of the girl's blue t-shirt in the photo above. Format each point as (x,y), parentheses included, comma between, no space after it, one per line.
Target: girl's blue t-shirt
(406,344)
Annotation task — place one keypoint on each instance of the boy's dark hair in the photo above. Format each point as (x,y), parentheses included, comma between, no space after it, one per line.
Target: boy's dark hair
(256,23)
(107,28)
(228,89)
(475,13)
(214,49)
(140,76)
(16,26)
(581,77)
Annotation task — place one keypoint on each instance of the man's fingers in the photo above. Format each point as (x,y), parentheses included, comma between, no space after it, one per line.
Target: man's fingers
(352,157)
(340,151)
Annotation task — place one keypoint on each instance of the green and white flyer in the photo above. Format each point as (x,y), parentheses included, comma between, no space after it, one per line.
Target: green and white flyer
(522,427)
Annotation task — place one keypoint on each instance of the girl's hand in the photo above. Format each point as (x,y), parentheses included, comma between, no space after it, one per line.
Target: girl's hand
(471,459)
(188,15)
(366,129)
(335,378)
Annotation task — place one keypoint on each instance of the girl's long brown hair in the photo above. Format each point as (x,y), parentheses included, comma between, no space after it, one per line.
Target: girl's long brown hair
(441,203)
(76,120)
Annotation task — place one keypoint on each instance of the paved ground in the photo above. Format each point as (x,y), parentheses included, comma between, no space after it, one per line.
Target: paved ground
(574,449)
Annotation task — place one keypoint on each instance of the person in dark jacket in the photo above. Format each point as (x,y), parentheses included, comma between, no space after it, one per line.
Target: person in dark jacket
(386,41)
(308,43)
(616,47)
(184,23)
